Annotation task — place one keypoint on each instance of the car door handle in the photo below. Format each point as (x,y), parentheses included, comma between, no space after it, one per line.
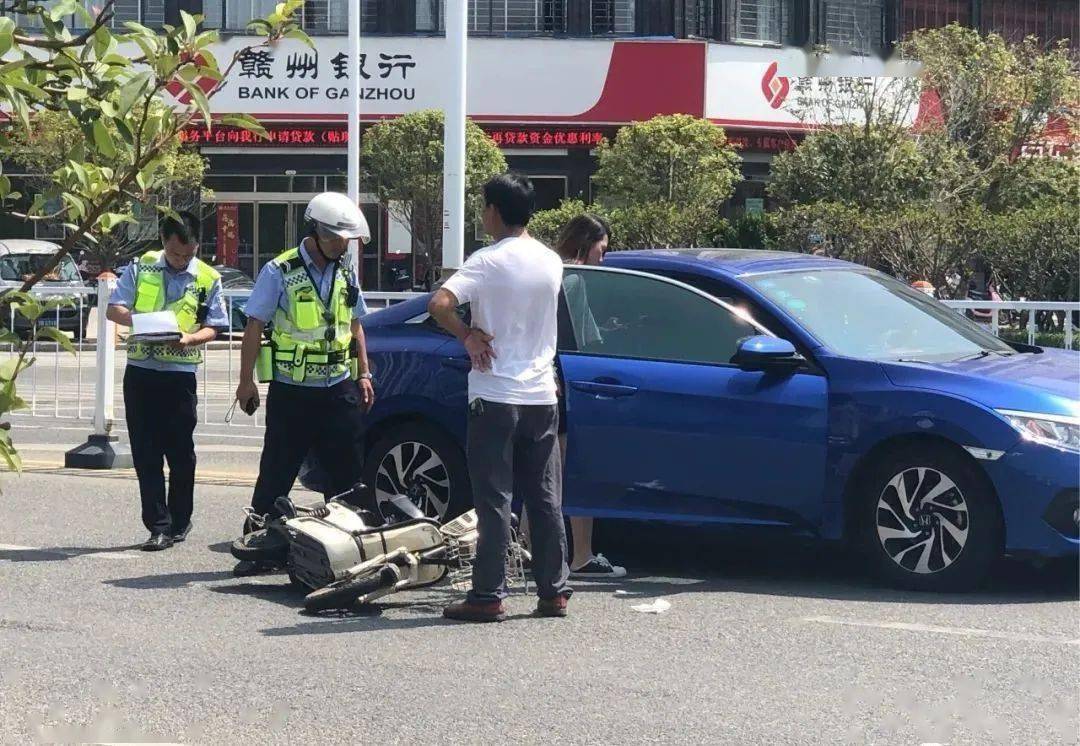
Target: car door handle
(603,388)
(458,363)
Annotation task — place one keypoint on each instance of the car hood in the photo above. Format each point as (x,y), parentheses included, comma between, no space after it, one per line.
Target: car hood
(1047,382)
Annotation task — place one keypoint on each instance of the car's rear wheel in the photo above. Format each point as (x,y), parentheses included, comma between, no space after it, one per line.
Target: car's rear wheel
(929,520)
(424,463)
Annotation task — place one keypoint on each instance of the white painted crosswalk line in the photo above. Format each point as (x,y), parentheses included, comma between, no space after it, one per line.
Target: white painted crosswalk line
(126,554)
(934,629)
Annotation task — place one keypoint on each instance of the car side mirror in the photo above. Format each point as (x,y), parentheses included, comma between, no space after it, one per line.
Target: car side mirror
(767,354)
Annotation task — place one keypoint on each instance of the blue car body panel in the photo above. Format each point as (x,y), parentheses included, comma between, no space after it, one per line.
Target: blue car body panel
(717,444)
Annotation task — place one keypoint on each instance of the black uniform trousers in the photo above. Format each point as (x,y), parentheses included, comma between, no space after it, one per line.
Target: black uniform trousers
(304,418)
(161,415)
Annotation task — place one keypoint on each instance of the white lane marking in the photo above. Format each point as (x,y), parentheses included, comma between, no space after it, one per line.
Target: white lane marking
(962,631)
(124,555)
(111,555)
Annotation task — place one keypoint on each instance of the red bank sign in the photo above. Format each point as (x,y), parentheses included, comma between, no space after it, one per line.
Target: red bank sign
(337,136)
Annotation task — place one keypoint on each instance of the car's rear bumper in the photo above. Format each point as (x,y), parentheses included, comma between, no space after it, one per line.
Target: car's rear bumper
(1039,489)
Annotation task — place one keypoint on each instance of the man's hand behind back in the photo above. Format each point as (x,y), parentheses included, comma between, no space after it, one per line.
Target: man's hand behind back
(481,353)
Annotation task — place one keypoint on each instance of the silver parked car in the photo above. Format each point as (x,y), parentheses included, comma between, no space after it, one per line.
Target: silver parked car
(20,259)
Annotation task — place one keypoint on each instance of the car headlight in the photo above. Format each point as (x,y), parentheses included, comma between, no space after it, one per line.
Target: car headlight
(1054,430)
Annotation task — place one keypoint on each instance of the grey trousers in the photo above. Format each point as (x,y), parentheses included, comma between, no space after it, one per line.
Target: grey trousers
(514,450)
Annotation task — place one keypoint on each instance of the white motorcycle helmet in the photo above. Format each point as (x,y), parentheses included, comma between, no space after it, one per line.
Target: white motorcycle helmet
(336,214)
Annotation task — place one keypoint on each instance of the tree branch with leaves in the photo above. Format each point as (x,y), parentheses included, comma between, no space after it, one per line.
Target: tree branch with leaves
(125,96)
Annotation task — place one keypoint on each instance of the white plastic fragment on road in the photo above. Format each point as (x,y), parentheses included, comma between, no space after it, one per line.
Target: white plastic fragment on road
(621,592)
(659,606)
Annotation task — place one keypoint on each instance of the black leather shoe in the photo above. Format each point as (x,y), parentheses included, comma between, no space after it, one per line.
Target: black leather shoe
(179,536)
(247,568)
(157,542)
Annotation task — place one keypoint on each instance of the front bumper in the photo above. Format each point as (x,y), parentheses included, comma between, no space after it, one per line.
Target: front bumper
(1038,488)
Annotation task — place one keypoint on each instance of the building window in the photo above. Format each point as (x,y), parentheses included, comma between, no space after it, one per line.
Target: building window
(612,16)
(919,14)
(1049,20)
(147,12)
(856,25)
(550,191)
(498,16)
(759,21)
(316,16)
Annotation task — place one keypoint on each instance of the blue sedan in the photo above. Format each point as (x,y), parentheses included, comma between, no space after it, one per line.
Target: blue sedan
(769,389)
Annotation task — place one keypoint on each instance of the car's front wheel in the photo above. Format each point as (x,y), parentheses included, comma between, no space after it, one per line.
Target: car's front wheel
(423,462)
(929,520)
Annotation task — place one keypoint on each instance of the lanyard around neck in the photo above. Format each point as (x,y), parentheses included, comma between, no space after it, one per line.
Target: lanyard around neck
(332,267)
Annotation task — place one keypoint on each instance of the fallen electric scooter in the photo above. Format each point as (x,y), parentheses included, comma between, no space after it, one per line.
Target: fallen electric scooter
(413,554)
(315,543)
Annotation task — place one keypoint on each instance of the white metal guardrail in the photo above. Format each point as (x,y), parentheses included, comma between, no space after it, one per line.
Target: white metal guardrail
(1025,317)
(62,389)
(80,387)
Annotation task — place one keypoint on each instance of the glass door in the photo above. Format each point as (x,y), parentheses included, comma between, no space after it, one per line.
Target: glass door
(273,232)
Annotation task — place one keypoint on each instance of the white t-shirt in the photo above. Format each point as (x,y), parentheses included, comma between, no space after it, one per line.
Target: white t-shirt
(513,289)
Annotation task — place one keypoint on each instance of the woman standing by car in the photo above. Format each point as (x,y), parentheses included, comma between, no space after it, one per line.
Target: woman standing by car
(583,240)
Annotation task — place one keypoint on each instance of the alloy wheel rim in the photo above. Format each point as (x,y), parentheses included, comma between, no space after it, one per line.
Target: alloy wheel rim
(415,470)
(922,520)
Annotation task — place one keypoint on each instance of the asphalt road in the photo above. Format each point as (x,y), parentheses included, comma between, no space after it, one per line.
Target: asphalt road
(763,643)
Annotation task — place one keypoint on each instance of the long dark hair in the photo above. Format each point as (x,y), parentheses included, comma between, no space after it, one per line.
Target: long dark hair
(579,235)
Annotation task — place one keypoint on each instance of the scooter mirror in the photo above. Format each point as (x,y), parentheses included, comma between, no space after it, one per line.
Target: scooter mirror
(402,507)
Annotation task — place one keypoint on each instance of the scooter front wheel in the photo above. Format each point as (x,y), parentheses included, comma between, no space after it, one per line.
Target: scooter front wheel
(342,594)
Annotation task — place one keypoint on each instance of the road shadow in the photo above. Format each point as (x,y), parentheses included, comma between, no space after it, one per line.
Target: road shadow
(695,559)
(58,554)
(166,581)
(270,587)
(282,594)
(364,619)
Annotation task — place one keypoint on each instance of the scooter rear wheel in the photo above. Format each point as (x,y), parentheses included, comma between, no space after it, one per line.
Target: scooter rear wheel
(342,594)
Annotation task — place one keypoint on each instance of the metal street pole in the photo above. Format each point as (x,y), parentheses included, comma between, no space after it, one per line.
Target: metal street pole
(453,233)
(102,449)
(354,116)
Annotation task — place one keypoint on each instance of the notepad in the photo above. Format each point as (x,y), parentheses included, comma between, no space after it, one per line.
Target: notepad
(158,326)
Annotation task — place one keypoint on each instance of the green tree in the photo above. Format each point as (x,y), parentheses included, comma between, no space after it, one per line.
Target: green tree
(44,148)
(933,201)
(664,181)
(404,159)
(995,96)
(546,225)
(110,87)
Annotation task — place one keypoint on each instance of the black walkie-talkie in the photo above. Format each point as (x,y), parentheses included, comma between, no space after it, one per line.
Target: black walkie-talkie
(204,309)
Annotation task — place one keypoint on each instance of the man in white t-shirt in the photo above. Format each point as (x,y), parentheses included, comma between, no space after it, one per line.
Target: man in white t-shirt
(513,443)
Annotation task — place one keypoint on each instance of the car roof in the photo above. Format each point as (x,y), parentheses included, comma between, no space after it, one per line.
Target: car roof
(732,262)
(27,246)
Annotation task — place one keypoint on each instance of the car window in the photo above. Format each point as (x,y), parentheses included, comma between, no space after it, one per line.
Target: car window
(18,267)
(234,278)
(866,314)
(629,315)
(739,301)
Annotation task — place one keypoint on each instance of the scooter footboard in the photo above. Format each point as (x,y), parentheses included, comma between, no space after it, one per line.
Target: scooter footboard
(414,536)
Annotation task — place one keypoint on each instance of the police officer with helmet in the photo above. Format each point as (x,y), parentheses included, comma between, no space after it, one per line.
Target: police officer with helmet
(315,359)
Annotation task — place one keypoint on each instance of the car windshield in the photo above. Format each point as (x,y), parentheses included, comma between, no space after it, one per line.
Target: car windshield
(19,267)
(234,278)
(869,315)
